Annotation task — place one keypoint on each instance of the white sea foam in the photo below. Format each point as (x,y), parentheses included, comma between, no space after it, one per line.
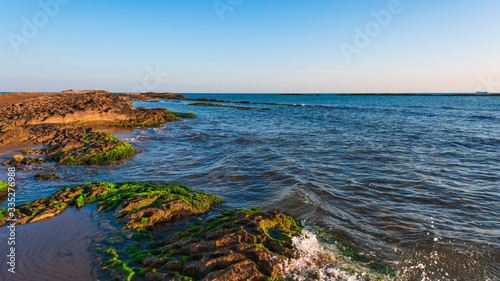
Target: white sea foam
(318,262)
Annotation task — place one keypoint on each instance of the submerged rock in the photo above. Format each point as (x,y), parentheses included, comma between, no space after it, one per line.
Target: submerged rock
(46,176)
(230,106)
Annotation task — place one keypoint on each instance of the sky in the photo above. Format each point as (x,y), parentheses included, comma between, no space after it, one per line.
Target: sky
(250,46)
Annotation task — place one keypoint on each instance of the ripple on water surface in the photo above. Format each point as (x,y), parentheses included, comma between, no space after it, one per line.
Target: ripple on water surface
(411,180)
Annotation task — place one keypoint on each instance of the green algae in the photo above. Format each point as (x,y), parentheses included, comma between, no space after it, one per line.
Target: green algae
(20,160)
(348,254)
(184,115)
(118,267)
(111,195)
(236,220)
(169,116)
(181,114)
(163,194)
(94,148)
(141,234)
(4,186)
(115,240)
(286,227)
(145,124)
(4,214)
(46,176)
(155,244)
(117,154)
(27,151)
(121,260)
(111,252)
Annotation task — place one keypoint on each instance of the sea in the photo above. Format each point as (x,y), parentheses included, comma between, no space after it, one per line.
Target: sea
(411,181)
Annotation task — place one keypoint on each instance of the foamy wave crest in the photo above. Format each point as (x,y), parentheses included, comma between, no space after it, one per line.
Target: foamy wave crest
(318,262)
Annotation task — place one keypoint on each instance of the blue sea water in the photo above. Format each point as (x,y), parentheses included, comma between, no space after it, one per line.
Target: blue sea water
(414,181)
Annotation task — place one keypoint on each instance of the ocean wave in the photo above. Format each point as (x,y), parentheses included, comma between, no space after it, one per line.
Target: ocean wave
(319,261)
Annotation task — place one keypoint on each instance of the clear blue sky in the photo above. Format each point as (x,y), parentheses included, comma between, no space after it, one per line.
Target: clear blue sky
(257,46)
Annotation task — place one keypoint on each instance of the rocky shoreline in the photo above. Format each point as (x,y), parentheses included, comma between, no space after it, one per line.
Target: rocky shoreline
(64,121)
(237,245)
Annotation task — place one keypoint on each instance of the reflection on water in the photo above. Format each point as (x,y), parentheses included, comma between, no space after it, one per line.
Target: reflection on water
(55,250)
(411,180)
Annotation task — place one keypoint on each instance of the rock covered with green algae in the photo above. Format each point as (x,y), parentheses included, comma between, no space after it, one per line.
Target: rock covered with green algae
(180,114)
(237,245)
(20,161)
(150,117)
(137,204)
(90,147)
(4,188)
(46,177)
(240,245)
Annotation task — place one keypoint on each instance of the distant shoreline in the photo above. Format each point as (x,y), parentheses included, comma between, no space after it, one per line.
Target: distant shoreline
(25,95)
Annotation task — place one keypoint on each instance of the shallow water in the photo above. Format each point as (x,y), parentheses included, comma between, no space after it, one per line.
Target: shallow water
(59,249)
(411,180)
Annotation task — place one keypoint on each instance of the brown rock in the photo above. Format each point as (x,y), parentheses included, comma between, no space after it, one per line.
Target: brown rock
(173,265)
(18,158)
(244,270)
(234,246)
(44,117)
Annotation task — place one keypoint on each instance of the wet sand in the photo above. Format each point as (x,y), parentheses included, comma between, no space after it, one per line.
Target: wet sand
(58,249)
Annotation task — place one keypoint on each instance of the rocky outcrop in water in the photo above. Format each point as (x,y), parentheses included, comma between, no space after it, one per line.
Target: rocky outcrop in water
(169,96)
(150,95)
(46,177)
(19,160)
(88,147)
(237,245)
(136,204)
(4,189)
